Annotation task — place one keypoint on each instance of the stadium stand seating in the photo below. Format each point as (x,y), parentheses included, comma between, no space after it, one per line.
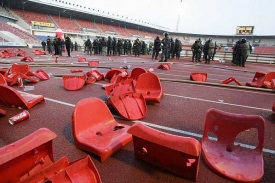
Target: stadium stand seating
(32,16)
(121,31)
(133,31)
(66,24)
(104,28)
(264,50)
(22,34)
(86,24)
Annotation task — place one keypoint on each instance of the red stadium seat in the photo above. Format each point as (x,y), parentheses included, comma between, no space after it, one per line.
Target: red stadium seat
(93,63)
(118,89)
(130,106)
(81,59)
(177,154)
(148,84)
(258,79)
(40,74)
(136,72)
(95,129)
(27,156)
(30,160)
(111,73)
(27,59)
(223,156)
(267,83)
(198,77)
(11,98)
(73,82)
(95,74)
(231,79)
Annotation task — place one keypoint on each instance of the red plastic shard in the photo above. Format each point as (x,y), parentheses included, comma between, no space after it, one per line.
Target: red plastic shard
(95,129)
(11,98)
(73,82)
(93,63)
(198,76)
(81,59)
(231,79)
(223,156)
(82,171)
(164,66)
(130,106)
(148,84)
(273,107)
(39,52)
(76,70)
(258,79)
(2,112)
(3,80)
(27,59)
(267,83)
(177,154)
(27,156)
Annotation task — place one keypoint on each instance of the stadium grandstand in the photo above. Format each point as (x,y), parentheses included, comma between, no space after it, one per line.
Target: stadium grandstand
(29,22)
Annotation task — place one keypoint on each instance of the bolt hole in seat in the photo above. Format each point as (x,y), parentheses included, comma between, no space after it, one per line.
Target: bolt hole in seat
(95,129)
(224,155)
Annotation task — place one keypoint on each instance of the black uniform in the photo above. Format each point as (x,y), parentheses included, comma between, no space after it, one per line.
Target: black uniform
(68,45)
(156,49)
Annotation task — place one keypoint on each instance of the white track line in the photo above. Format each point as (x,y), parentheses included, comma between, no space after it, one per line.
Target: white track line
(217,102)
(270,151)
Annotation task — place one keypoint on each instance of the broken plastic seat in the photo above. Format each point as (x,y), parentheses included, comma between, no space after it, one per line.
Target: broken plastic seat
(231,79)
(30,160)
(39,52)
(12,98)
(164,66)
(136,72)
(95,129)
(118,89)
(148,84)
(198,76)
(223,156)
(93,63)
(267,82)
(76,70)
(27,59)
(73,82)
(40,74)
(95,74)
(112,72)
(130,106)
(180,155)
(27,156)
(81,59)
(257,80)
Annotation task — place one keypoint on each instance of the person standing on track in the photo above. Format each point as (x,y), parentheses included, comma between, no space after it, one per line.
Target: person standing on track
(68,45)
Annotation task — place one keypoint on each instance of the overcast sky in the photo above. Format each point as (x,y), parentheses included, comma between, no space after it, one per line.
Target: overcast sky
(196,16)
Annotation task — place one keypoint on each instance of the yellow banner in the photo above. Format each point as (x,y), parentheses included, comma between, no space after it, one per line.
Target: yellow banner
(43,24)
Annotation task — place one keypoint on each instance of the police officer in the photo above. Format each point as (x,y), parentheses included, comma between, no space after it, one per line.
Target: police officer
(156,48)
(177,49)
(137,47)
(49,45)
(68,45)
(166,45)
(245,48)
(210,50)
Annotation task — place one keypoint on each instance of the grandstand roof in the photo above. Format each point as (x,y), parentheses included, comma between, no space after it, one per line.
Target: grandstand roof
(76,14)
